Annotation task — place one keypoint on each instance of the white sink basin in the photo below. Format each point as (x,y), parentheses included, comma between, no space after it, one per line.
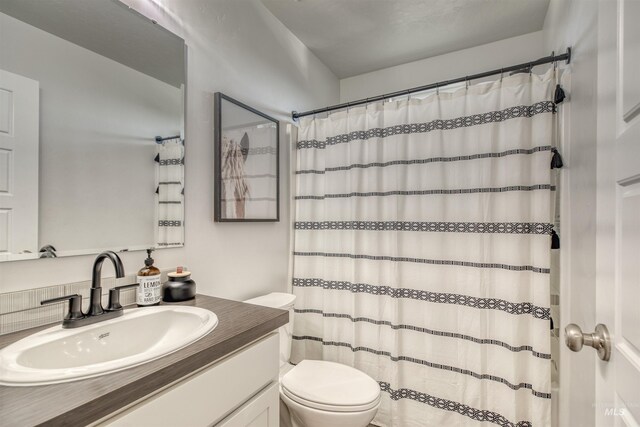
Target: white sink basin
(57,355)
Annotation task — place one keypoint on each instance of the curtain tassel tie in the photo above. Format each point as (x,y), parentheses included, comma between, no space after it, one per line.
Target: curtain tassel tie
(556,160)
(555,240)
(559,95)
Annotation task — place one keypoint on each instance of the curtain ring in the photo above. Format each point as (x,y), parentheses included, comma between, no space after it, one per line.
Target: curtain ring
(348,105)
(530,68)
(408,94)
(466,82)
(501,74)
(438,89)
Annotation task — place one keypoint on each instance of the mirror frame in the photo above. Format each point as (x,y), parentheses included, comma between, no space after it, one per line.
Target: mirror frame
(218,98)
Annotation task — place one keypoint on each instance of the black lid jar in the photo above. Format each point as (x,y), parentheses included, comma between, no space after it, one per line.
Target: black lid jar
(179,287)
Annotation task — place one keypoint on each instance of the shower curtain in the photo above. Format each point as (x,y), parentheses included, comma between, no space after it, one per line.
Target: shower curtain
(170,191)
(422,251)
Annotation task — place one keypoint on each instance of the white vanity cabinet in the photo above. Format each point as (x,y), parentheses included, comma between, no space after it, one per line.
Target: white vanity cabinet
(260,411)
(239,390)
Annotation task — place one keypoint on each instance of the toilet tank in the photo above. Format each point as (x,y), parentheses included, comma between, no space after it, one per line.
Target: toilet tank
(282,301)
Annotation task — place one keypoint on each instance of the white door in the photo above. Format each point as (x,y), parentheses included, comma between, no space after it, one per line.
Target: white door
(618,213)
(19,129)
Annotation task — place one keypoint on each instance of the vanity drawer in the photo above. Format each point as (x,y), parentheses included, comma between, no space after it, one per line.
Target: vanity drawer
(207,396)
(261,411)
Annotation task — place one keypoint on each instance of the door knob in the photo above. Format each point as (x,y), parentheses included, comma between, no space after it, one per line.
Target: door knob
(600,340)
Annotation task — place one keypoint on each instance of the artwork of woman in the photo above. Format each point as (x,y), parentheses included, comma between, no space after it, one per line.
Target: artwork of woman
(235,188)
(246,163)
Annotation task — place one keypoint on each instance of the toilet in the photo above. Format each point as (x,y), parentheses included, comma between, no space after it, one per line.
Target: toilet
(318,393)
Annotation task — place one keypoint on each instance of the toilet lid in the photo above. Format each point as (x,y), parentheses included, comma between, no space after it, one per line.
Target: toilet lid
(326,385)
(275,300)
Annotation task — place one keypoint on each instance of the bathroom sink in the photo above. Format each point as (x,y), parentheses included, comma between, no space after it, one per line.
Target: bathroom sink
(58,355)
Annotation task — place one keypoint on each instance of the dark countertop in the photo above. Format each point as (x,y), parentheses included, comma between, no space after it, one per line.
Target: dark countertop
(85,401)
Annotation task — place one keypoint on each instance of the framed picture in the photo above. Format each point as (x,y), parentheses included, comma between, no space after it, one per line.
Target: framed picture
(247,153)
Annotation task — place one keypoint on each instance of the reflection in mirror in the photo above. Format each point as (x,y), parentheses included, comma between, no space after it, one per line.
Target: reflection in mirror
(91,130)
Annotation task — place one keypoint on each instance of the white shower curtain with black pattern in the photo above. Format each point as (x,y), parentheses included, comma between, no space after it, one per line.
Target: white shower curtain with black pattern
(170,191)
(422,251)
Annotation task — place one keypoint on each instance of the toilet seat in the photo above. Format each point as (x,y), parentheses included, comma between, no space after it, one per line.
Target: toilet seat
(331,387)
(329,408)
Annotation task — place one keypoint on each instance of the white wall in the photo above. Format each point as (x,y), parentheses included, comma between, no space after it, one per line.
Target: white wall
(574,23)
(464,62)
(98,119)
(239,48)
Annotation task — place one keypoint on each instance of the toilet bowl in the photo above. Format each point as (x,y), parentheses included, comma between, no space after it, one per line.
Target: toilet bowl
(317,393)
(320,393)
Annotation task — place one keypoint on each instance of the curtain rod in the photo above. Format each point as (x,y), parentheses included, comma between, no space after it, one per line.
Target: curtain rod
(526,65)
(160,140)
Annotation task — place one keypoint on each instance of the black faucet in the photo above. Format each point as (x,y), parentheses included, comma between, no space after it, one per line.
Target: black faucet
(95,301)
(75,317)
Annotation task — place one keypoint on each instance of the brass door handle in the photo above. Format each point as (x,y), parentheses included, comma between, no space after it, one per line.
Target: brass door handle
(575,339)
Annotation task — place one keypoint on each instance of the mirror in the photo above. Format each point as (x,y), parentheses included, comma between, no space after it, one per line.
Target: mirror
(91,130)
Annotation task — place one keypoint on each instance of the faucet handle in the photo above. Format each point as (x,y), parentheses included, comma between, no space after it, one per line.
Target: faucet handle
(75,305)
(114,297)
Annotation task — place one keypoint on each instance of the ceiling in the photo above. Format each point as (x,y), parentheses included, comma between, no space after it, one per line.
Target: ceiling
(109,28)
(357,36)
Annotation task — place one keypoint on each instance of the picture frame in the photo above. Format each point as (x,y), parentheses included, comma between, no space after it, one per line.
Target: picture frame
(246,163)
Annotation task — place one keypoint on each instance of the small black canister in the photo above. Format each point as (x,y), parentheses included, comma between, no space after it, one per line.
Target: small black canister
(179,287)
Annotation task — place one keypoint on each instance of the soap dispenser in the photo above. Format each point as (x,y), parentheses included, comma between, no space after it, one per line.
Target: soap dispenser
(149,290)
